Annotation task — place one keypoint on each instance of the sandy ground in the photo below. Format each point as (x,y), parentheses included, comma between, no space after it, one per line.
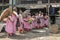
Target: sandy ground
(32,35)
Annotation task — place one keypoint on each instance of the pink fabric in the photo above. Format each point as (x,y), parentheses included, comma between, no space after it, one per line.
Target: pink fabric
(41,21)
(37,25)
(34,23)
(21,25)
(15,21)
(11,26)
(26,24)
(46,20)
(30,27)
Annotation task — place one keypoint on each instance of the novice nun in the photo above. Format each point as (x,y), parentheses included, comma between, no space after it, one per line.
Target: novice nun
(37,20)
(26,21)
(11,25)
(41,20)
(20,28)
(46,21)
(34,23)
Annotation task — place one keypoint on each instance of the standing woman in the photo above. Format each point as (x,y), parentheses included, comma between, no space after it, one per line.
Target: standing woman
(20,28)
(16,14)
(10,21)
(10,25)
(15,21)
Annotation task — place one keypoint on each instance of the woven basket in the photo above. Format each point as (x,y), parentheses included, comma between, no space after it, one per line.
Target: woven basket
(54,28)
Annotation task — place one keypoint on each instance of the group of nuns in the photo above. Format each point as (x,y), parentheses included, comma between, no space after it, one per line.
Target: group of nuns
(24,21)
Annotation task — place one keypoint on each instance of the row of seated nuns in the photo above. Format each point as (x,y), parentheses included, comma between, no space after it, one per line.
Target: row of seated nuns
(28,22)
(25,22)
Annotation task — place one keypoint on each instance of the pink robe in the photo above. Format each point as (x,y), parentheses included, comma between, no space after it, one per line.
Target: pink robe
(11,26)
(34,23)
(15,21)
(42,21)
(30,24)
(46,21)
(38,24)
(21,23)
(41,24)
(26,24)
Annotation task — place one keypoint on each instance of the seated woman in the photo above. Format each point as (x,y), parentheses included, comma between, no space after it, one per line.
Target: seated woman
(34,23)
(26,23)
(46,21)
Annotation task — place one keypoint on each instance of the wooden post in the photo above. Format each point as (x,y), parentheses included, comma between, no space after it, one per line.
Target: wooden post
(48,6)
(11,4)
(48,11)
(2,4)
